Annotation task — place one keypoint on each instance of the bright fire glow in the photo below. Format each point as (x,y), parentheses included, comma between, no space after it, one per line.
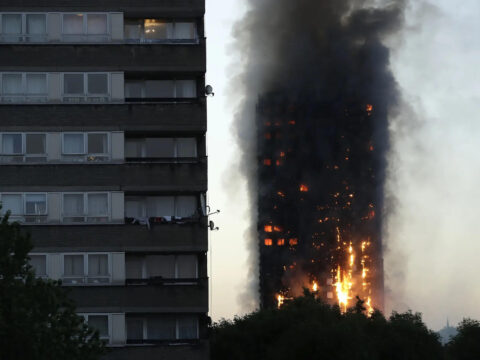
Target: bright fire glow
(303,188)
(280,300)
(315,286)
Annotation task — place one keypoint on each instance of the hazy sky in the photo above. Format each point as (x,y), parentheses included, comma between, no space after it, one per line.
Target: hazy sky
(433,265)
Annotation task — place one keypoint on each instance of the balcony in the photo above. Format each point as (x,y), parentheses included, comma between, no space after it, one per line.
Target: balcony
(144,299)
(162,117)
(144,177)
(188,237)
(158,8)
(179,58)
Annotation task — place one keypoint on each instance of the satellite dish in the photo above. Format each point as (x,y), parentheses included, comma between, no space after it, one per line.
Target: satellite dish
(209,90)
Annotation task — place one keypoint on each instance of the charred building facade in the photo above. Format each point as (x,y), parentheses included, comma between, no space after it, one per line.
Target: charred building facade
(320,184)
(103,160)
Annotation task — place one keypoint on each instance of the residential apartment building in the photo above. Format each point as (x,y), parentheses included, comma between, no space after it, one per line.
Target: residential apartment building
(103,160)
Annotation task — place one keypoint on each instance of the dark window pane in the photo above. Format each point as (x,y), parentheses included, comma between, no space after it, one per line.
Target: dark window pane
(100,323)
(73,84)
(35,144)
(97,144)
(161,328)
(160,147)
(39,264)
(97,83)
(134,329)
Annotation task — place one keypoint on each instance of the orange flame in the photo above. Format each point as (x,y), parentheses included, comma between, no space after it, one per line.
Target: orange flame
(268,242)
(303,188)
(268,228)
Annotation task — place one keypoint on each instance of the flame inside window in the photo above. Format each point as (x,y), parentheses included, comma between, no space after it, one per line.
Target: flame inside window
(303,188)
(281,242)
(268,242)
(293,241)
(267,162)
(268,228)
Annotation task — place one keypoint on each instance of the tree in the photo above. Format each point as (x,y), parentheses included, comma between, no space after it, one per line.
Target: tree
(466,344)
(307,328)
(37,319)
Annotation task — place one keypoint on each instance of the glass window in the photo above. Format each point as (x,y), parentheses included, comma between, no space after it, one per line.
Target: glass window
(36,84)
(134,329)
(134,89)
(73,205)
(12,144)
(187,327)
(97,83)
(73,144)
(161,328)
(186,266)
(186,89)
(12,23)
(134,267)
(185,206)
(158,206)
(35,144)
(12,202)
(73,84)
(160,147)
(161,265)
(97,204)
(135,207)
(100,323)
(73,24)
(97,24)
(184,31)
(186,147)
(98,265)
(156,29)
(39,264)
(12,84)
(97,144)
(135,148)
(35,204)
(159,88)
(73,265)
(36,24)
(133,29)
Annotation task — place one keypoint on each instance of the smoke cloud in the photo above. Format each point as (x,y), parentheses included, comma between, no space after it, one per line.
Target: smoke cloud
(325,55)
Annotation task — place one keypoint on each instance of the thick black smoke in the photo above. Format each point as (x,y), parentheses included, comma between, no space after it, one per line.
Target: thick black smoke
(309,71)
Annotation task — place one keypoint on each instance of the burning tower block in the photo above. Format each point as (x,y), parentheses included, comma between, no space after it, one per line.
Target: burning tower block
(320,194)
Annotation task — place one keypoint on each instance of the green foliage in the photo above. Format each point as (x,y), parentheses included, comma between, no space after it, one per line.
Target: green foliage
(37,320)
(466,344)
(307,328)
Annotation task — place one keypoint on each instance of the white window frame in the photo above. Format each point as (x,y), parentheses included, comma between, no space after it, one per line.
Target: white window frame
(86,215)
(22,218)
(23,156)
(23,97)
(175,197)
(86,156)
(85,37)
(87,279)
(23,36)
(173,40)
(145,275)
(47,260)
(109,317)
(86,96)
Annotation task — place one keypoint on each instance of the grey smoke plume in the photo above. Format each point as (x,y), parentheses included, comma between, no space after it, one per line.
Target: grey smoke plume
(329,50)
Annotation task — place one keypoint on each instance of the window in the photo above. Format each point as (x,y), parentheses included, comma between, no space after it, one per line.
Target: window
(86,27)
(161,206)
(24,27)
(39,264)
(23,147)
(24,87)
(157,30)
(81,269)
(90,207)
(90,147)
(160,89)
(161,148)
(163,266)
(99,323)
(26,208)
(35,204)
(141,329)
(91,87)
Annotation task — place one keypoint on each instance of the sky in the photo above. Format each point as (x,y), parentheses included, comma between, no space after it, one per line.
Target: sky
(432,263)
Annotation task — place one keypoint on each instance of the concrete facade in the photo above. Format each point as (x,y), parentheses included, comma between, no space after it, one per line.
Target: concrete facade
(127,235)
